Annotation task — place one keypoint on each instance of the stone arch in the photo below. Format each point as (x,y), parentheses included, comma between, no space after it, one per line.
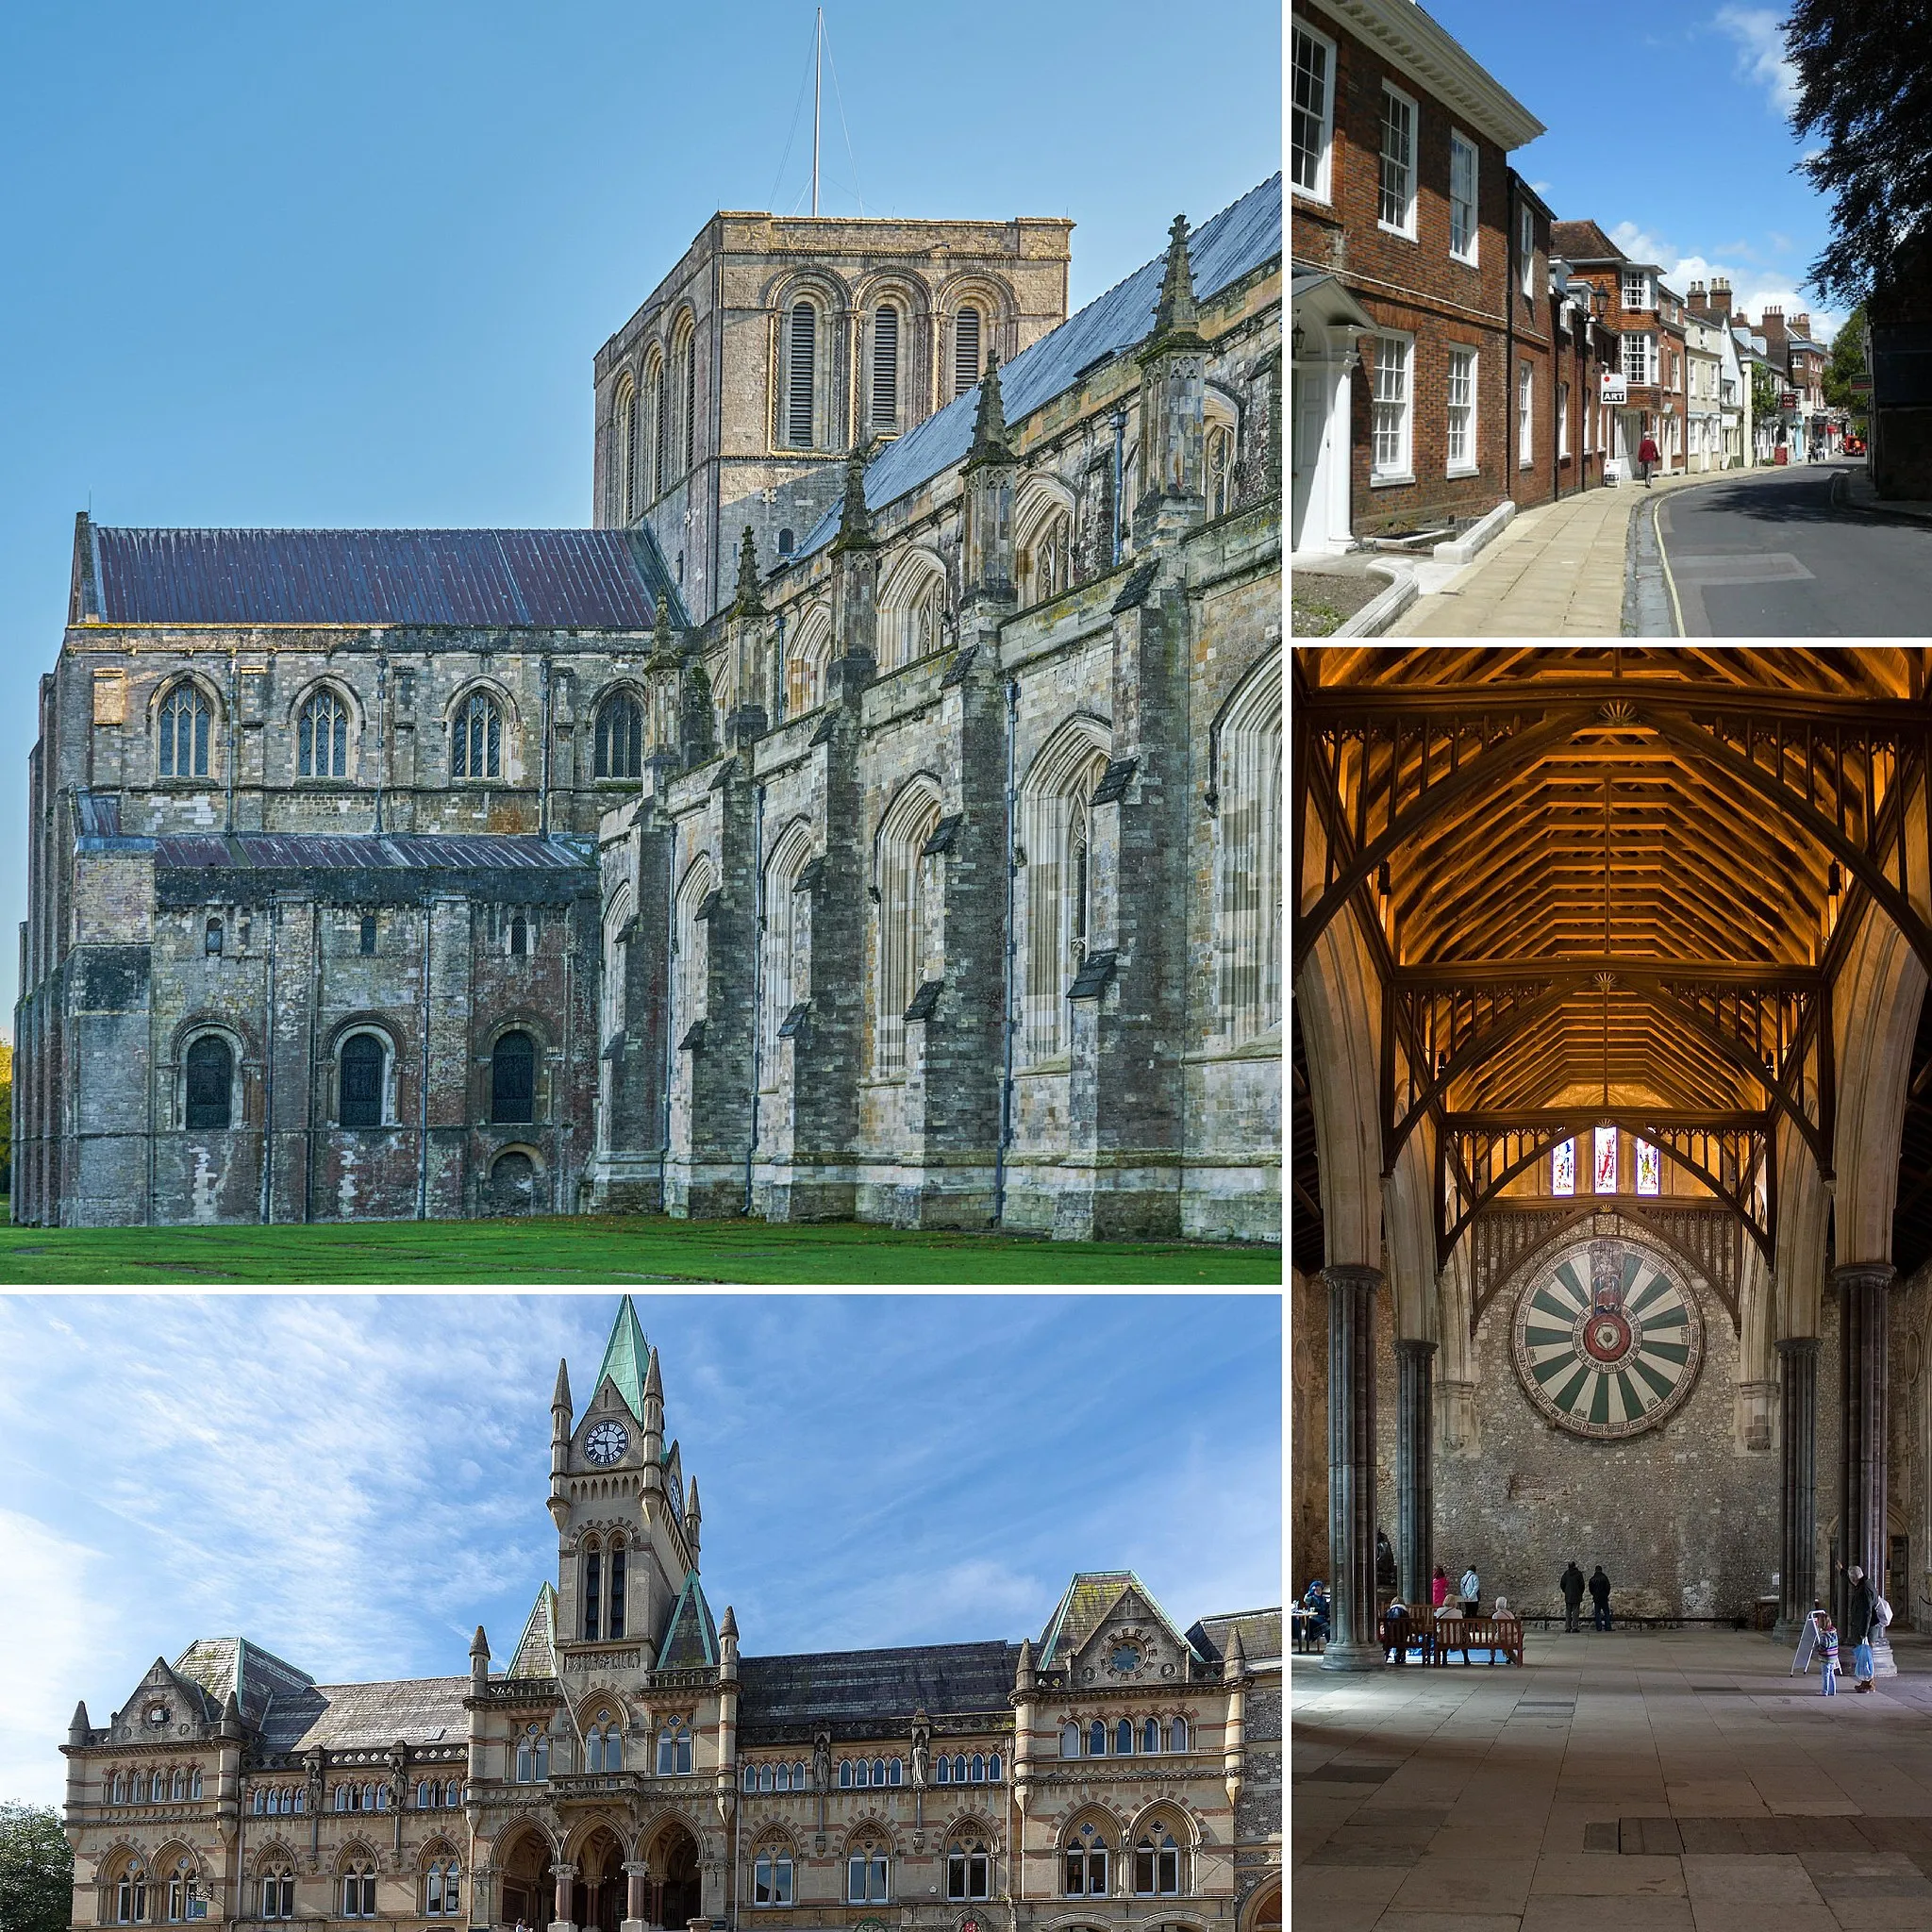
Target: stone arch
(914,598)
(868,1827)
(1876,1006)
(524,1860)
(207,760)
(994,300)
(1260,1912)
(807,658)
(1045,517)
(379,1027)
(241,1056)
(345,693)
(672,1846)
(898,884)
(1056,895)
(355,1850)
(1186,1826)
(1338,997)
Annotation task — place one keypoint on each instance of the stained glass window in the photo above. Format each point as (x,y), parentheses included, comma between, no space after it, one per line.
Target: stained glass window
(1606,1161)
(1647,1168)
(1563,1168)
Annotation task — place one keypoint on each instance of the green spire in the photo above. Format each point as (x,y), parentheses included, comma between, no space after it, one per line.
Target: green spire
(626,1358)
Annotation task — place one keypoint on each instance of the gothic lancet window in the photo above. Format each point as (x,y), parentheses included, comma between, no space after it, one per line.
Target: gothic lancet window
(1563,1168)
(322,737)
(185,718)
(1055,835)
(786,965)
(968,1868)
(476,740)
(772,1877)
(618,1568)
(1649,1171)
(359,1892)
(1604,1140)
(868,1873)
(900,882)
(593,1591)
(802,354)
(1220,467)
(620,742)
(674,1749)
(967,363)
(1156,1863)
(885,367)
(278,1892)
(1248,859)
(1085,1864)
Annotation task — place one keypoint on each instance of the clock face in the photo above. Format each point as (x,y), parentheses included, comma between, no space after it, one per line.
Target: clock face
(1607,1343)
(607,1441)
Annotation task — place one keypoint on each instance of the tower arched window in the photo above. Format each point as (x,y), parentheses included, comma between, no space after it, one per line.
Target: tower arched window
(476,749)
(322,737)
(885,366)
(620,737)
(1085,1874)
(513,1080)
(968,1868)
(771,1883)
(674,1749)
(801,372)
(185,720)
(660,426)
(210,1083)
(619,1568)
(362,1066)
(1156,1863)
(626,452)
(690,406)
(593,1590)
(967,352)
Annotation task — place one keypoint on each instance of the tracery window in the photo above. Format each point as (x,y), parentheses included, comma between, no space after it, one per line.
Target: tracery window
(183,1904)
(967,363)
(1563,1168)
(362,1067)
(787,968)
(359,1892)
(1605,1169)
(674,1749)
(322,737)
(1057,837)
(476,740)
(604,1748)
(969,1869)
(185,718)
(513,1103)
(1248,862)
(277,1894)
(620,738)
(807,661)
(1156,1863)
(442,1890)
(130,1896)
(772,1877)
(1085,1874)
(533,1757)
(1220,465)
(210,1083)
(868,1873)
(1049,567)
(900,882)
(1649,1169)
(885,366)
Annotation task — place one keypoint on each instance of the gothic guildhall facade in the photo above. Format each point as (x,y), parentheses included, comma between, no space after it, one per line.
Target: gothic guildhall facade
(628,1770)
(925,874)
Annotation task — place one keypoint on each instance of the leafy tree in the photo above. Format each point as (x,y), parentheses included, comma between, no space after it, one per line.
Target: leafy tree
(1865,86)
(36,1870)
(1847,360)
(1767,390)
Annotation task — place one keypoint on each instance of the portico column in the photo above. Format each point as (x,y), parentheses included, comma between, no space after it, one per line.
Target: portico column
(635,1872)
(1351,1644)
(1863,1315)
(565,1875)
(1415,1467)
(1797,1573)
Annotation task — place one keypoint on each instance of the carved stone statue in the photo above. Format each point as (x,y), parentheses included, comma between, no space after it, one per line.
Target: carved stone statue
(821,1761)
(922,1748)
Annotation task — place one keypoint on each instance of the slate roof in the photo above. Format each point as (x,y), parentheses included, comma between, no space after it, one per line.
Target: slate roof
(1260,1635)
(1583,242)
(818,1686)
(496,579)
(400,851)
(365,1717)
(691,1638)
(1088,1601)
(257,1677)
(536,1651)
(627,1360)
(1224,249)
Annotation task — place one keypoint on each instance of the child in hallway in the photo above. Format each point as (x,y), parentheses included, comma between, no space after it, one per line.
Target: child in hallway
(1827,1656)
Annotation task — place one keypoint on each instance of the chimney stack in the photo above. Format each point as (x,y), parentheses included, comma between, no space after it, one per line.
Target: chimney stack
(1720,297)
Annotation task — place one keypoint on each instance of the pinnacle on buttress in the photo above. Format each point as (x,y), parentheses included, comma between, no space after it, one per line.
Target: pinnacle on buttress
(748,602)
(231,1716)
(692,1513)
(654,1381)
(479,1645)
(989,443)
(1175,313)
(77,1730)
(729,1626)
(1236,1667)
(560,1396)
(855,522)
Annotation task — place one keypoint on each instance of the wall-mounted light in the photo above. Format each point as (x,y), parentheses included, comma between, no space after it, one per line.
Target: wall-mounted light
(1834,881)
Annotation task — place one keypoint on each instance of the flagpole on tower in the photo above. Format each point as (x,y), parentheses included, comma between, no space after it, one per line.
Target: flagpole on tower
(818,41)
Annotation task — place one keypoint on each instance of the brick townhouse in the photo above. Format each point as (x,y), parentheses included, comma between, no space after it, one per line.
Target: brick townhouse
(1421,262)
(1586,350)
(1798,363)
(1649,320)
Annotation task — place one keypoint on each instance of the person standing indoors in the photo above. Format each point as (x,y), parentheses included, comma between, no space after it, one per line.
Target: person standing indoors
(1439,1588)
(1600,1599)
(1827,1655)
(1861,1619)
(1570,1584)
(1471,1592)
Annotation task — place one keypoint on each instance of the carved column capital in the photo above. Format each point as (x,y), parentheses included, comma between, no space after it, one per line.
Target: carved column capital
(1797,1345)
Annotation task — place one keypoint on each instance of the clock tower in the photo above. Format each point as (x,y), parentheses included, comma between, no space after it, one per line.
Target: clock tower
(627,1529)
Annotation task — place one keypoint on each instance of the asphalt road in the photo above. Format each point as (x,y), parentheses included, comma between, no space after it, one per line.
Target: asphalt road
(1776,555)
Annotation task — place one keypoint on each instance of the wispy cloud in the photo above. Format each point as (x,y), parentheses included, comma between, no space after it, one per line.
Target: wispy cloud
(1761,58)
(1753,290)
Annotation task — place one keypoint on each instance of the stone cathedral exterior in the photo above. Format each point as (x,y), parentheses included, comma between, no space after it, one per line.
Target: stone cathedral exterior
(926,871)
(629,1770)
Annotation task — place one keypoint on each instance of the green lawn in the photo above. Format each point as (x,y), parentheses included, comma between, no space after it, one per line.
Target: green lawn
(608,1249)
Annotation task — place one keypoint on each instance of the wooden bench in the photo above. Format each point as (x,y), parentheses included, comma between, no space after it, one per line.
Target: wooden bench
(1397,1633)
(1496,1635)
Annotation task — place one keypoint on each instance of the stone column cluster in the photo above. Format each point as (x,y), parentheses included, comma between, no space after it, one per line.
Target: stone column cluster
(1864,1316)
(1415,1486)
(1797,1358)
(1352,1643)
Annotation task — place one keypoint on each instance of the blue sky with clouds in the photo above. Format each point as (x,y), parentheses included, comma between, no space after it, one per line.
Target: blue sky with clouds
(1667,125)
(355,1482)
(344,262)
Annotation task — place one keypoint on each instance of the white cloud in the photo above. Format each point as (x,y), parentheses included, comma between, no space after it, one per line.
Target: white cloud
(1751,293)
(1760,38)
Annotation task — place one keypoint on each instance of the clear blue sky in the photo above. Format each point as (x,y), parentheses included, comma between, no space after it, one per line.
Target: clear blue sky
(347,263)
(1667,127)
(355,1482)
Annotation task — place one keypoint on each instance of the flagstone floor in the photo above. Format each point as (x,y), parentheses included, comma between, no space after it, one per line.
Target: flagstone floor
(1679,1781)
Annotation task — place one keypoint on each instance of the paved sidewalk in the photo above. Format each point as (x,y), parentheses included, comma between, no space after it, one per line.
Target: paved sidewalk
(1556,570)
(1860,496)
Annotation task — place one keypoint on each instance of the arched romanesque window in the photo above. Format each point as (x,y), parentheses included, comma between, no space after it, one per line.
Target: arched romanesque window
(363,1067)
(620,737)
(1247,913)
(322,737)
(801,373)
(868,1872)
(1055,835)
(513,1080)
(899,879)
(625,453)
(673,1748)
(911,608)
(210,1100)
(771,1883)
(185,720)
(1156,1863)
(1084,1871)
(689,408)
(787,929)
(659,401)
(275,1897)
(885,366)
(968,352)
(476,749)
(808,658)
(969,1867)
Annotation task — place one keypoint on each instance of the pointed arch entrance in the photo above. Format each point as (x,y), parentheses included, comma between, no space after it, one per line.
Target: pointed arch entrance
(675,1891)
(528,1880)
(597,1892)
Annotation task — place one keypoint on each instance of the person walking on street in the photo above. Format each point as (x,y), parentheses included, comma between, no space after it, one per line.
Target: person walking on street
(1647,457)
(1439,1588)
(1570,1584)
(1600,1599)
(1861,1619)
(1471,1592)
